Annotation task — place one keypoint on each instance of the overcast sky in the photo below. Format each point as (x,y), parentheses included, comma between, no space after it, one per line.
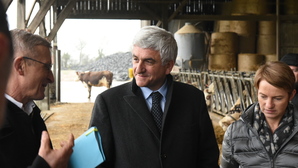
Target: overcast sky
(109,35)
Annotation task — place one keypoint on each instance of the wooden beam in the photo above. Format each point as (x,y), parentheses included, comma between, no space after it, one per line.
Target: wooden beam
(112,15)
(148,10)
(164,22)
(21,8)
(62,16)
(42,29)
(226,17)
(179,9)
(30,13)
(40,15)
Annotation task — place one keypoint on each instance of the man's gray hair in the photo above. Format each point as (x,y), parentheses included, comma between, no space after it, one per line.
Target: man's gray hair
(25,41)
(158,39)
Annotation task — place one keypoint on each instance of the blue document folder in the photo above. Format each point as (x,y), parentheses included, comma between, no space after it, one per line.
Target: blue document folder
(88,151)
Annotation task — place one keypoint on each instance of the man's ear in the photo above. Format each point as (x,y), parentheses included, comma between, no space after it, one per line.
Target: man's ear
(19,65)
(169,66)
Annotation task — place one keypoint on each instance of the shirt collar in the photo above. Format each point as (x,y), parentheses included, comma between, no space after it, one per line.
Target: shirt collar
(28,108)
(162,90)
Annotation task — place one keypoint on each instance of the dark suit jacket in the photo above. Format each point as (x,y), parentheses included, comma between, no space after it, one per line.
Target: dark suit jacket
(132,140)
(20,138)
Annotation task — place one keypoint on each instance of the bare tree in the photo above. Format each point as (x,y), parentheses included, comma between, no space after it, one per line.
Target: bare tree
(80,47)
(65,60)
(100,54)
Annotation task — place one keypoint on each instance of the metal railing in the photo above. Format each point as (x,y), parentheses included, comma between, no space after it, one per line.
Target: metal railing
(226,87)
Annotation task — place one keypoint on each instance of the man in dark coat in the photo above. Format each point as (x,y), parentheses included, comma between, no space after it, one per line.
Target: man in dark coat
(130,134)
(291,60)
(24,141)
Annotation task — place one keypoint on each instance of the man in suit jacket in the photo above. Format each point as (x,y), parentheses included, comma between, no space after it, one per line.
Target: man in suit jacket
(130,136)
(24,141)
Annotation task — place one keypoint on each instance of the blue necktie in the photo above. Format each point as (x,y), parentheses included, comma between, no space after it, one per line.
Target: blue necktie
(156,109)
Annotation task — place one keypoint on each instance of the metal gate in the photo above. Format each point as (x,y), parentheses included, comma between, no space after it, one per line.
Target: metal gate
(227,87)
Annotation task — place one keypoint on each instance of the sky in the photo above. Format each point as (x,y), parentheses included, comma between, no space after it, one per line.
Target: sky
(110,36)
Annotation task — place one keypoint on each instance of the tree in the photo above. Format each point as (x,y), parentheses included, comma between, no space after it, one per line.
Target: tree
(65,60)
(85,59)
(80,47)
(100,54)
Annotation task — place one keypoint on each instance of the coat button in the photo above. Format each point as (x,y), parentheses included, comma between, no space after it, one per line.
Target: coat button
(163,156)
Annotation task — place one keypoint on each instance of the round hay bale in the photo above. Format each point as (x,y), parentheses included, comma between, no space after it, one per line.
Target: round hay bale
(246,31)
(271,57)
(266,44)
(251,7)
(290,7)
(249,61)
(222,62)
(223,26)
(224,43)
(267,27)
(240,27)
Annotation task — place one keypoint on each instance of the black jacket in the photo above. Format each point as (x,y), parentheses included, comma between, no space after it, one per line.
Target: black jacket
(242,146)
(132,140)
(20,138)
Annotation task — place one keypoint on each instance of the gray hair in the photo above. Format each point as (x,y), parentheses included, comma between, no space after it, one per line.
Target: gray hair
(158,39)
(25,41)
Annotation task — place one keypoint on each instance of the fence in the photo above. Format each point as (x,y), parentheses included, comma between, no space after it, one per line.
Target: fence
(226,87)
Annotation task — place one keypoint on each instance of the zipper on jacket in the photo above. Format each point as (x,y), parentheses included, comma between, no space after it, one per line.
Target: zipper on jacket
(285,142)
(258,137)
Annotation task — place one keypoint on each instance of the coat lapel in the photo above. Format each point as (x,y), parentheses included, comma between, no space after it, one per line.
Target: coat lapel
(139,106)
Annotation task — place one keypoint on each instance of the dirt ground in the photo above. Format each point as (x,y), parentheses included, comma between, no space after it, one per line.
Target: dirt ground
(66,118)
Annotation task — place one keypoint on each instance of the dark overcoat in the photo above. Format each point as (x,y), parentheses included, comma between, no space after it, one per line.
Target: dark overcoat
(20,138)
(132,140)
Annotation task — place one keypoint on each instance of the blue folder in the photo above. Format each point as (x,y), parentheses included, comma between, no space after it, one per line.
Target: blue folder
(87,151)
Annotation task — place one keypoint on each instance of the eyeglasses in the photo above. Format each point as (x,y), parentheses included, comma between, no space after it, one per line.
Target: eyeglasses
(48,66)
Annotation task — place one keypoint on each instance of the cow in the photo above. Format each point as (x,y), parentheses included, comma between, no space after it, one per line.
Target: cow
(234,115)
(96,78)
(208,92)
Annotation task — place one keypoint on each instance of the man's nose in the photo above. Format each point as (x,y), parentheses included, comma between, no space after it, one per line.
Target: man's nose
(140,67)
(51,77)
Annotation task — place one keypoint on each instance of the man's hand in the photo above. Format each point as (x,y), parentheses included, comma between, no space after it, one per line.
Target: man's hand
(56,158)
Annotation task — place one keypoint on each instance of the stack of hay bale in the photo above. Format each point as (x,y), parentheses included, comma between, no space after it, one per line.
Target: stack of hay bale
(254,44)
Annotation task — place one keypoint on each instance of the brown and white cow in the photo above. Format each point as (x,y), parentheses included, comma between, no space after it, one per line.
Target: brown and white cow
(96,78)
